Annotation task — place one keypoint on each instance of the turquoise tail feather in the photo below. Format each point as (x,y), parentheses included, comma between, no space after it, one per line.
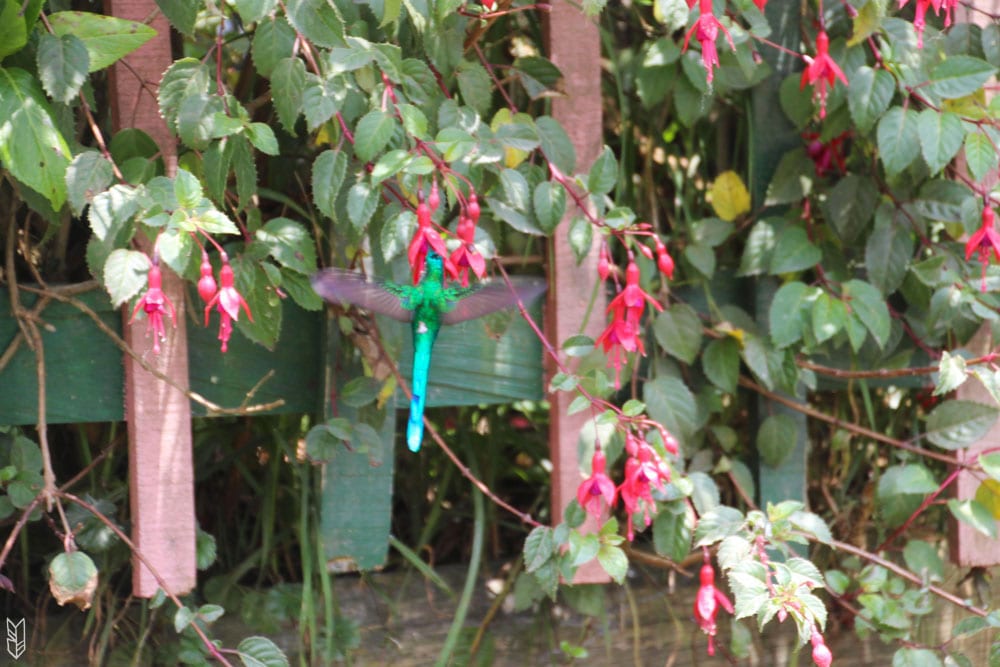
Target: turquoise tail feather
(422,343)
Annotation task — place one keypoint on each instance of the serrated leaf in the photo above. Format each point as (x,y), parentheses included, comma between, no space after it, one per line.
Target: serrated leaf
(941,137)
(89,174)
(396,234)
(991,464)
(869,95)
(850,204)
(538,548)
(556,144)
(614,561)
(717,524)
(869,305)
(106,38)
(73,578)
(62,65)
(898,139)
(389,165)
(318,20)
(794,252)
(273,41)
(951,373)
(320,99)
(288,84)
(922,557)
(959,75)
(792,180)
(581,237)
(182,14)
(980,154)
(888,253)
(475,85)
(776,439)
(290,244)
(957,424)
(549,203)
(678,331)
(31,147)
(184,78)
(829,315)
(671,403)
(603,174)
(252,11)
(329,170)
(373,132)
(13,29)
(125,274)
(721,363)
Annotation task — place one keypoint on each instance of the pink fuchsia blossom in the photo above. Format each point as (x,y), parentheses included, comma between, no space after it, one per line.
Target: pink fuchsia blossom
(228,302)
(707,603)
(466,256)
(821,72)
(706,27)
(826,155)
(623,332)
(155,304)
(596,488)
(424,239)
(644,469)
(821,654)
(206,283)
(982,242)
(920,14)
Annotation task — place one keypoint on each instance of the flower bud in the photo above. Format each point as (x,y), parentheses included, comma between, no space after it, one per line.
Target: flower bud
(206,284)
(434,200)
(473,208)
(603,263)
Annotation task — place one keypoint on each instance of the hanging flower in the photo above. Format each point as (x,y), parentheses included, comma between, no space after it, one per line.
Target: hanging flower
(920,14)
(644,469)
(206,284)
(664,262)
(821,654)
(155,303)
(596,488)
(626,309)
(466,256)
(826,155)
(983,241)
(228,302)
(426,238)
(707,28)
(707,603)
(821,71)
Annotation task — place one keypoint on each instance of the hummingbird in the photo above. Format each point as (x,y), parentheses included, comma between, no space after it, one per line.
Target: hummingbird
(426,306)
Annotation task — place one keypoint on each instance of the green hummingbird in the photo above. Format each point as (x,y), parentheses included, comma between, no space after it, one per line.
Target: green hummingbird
(426,306)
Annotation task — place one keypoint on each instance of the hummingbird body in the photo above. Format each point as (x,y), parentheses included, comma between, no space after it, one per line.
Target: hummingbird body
(426,306)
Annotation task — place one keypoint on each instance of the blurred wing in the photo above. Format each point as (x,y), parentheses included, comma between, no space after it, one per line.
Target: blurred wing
(340,286)
(493,297)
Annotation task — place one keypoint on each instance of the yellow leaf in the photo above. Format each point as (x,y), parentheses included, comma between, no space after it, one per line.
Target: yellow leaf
(730,198)
(511,156)
(867,22)
(988,495)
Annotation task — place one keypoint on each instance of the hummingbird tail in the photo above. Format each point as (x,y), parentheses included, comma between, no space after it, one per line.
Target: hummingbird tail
(415,424)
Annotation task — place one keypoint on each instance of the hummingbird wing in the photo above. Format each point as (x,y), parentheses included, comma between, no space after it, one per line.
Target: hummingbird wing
(473,302)
(340,286)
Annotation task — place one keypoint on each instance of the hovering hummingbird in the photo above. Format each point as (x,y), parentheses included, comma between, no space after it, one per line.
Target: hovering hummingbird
(426,306)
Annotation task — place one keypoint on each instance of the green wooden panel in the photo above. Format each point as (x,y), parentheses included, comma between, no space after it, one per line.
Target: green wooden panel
(83,368)
(86,374)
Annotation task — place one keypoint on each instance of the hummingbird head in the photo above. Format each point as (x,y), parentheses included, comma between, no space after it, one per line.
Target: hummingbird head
(434,260)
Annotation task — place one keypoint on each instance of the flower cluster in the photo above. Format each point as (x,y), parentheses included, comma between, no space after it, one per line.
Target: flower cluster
(707,28)
(623,333)
(821,71)
(708,601)
(920,14)
(155,304)
(466,256)
(645,469)
(226,299)
(983,241)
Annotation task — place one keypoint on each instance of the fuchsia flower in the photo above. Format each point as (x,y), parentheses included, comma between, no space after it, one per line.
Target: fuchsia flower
(596,488)
(228,302)
(825,156)
(707,28)
(984,240)
(206,284)
(920,14)
(466,256)
(622,334)
(707,603)
(821,71)
(644,469)
(426,238)
(155,303)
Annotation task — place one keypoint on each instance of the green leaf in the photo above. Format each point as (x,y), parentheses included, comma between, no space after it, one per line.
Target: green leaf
(888,253)
(757,251)
(182,14)
(869,95)
(581,237)
(539,76)
(603,175)
(290,244)
(614,561)
(273,41)
(980,154)
(974,514)
(539,547)
(915,657)
(320,99)
(951,373)
(850,204)
(941,137)
(362,200)
(31,147)
(957,424)
(184,78)
(898,139)
(786,315)
(73,578)
(922,558)
(205,554)
(906,479)
(678,331)
(794,252)
(829,315)
(721,363)
(556,144)
(792,180)
(672,531)
(717,524)
(389,165)
(13,29)
(252,11)
(869,305)
(991,464)
(62,65)
(288,84)
(549,203)
(261,652)
(196,119)
(262,137)
(360,391)
(187,189)
(578,345)
(959,75)
(318,20)
(183,618)
(776,439)
(672,404)
(106,38)
(396,234)
(329,170)
(475,85)
(87,175)
(125,274)
(373,132)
